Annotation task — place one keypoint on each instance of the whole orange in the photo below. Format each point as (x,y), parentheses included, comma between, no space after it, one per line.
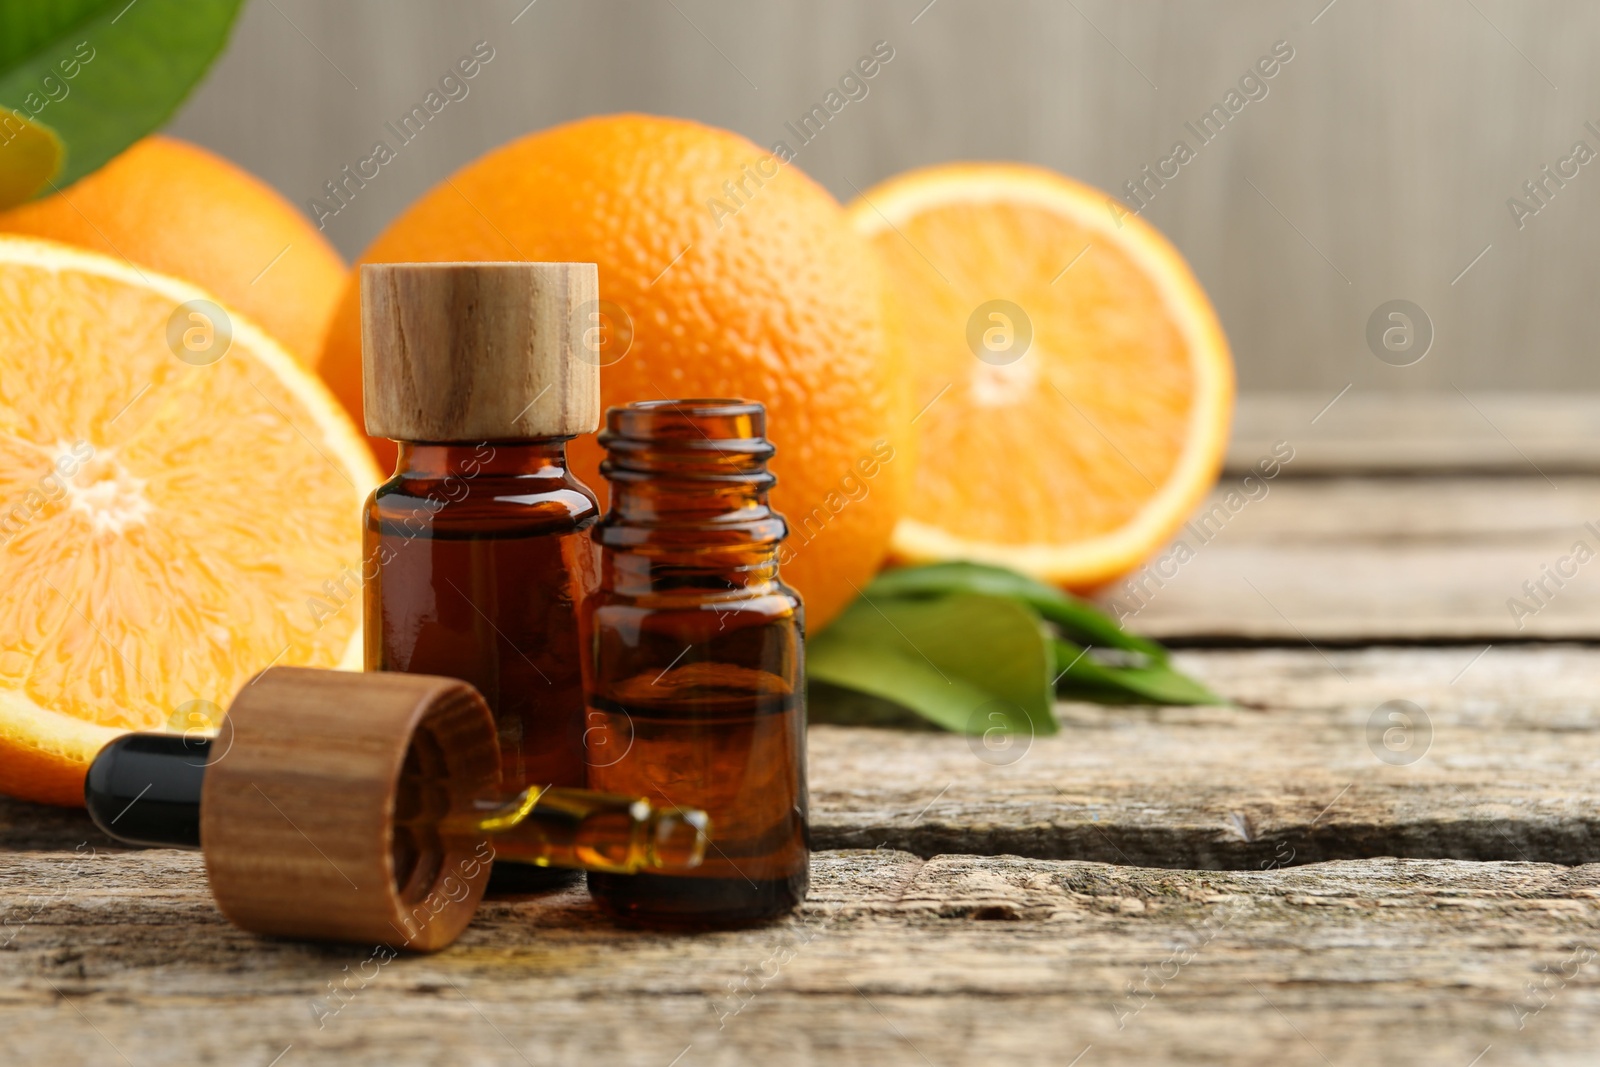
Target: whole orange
(178,209)
(740,277)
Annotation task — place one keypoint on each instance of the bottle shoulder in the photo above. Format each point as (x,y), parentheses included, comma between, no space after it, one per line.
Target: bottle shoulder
(514,506)
(775,604)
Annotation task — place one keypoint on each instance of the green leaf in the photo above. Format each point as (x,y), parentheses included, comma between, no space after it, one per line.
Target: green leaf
(28,25)
(1077,619)
(885,674)
(968,662)
(837,705)
(104,73)
(1083,678)
(969,647)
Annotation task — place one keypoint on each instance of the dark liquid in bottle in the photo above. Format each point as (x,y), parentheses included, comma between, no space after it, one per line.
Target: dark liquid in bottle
(734,754)
(496,607)
(499,613)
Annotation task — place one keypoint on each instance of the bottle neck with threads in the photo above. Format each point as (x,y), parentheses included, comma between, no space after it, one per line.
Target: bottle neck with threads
(689,510)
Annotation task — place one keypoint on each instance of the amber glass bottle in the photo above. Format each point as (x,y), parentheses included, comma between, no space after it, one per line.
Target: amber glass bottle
(477,551)
(483,556)
(692,663)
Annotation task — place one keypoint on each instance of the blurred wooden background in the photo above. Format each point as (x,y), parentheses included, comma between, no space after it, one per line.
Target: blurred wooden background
(1377,167)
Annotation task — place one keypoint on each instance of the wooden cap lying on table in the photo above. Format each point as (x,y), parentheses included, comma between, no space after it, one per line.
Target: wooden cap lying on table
(480,351)
(319,809)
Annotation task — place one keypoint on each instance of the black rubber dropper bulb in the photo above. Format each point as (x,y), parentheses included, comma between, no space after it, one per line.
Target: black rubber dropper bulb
(144,789)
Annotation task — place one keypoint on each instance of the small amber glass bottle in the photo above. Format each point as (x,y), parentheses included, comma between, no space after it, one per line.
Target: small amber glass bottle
(477,552)
(485,588)
(692,668)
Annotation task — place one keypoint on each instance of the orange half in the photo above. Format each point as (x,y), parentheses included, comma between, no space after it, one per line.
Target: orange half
(179,508)
(1074,384)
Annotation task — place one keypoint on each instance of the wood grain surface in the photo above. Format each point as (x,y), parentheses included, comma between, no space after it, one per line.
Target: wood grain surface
(1423,517)
(935,942)
(1498,763)
(311,766)
(893,960)
(1378,853)
(1356,559)
(479,351)
(1454,431)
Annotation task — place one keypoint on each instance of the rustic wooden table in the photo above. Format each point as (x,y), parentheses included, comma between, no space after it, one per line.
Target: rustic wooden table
(1276,882)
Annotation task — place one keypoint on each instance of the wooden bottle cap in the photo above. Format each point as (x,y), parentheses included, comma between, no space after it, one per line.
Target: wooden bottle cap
(479,351)
(307,829)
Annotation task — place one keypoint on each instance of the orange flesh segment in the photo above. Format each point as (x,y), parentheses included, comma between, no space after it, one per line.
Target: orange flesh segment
(1079,458)
(1086,421)
(166,529)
